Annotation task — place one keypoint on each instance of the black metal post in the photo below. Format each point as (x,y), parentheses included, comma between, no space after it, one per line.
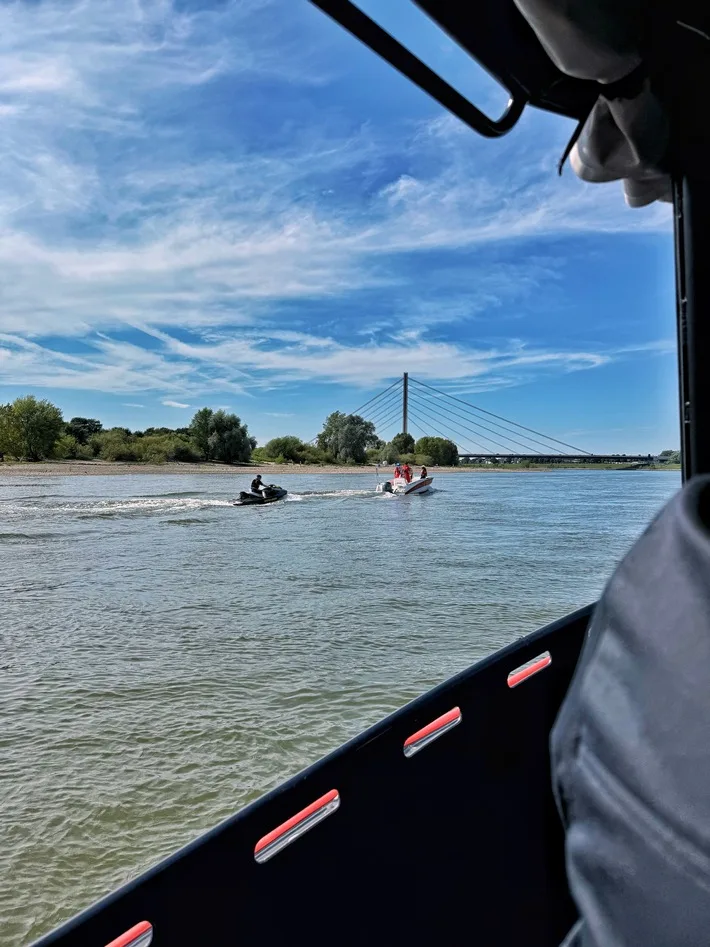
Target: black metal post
(692,243)
(405,401)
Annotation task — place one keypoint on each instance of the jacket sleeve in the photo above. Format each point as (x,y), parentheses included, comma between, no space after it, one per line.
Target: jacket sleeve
(631,745)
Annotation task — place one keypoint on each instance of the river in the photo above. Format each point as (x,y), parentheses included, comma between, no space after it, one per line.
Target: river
(166,657)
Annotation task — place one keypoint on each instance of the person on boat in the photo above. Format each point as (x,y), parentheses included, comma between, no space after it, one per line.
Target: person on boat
(256,485)
(397,471)
(407,473)
(423,475)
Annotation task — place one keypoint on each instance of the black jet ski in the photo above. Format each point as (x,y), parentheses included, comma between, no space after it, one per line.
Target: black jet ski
(269,494)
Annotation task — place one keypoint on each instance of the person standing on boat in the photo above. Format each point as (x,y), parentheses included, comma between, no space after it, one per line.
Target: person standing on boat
(423,475)
(397,471)
(407,473)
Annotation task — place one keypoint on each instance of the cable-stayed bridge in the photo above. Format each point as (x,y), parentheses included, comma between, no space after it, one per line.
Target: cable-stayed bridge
(417,408)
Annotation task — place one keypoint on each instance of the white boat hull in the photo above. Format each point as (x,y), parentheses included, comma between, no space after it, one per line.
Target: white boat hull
(400,487)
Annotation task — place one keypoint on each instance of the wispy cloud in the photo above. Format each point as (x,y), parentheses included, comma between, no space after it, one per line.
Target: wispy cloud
(132,404)
(139,194)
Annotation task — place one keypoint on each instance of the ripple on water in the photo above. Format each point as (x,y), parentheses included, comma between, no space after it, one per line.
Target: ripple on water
(155,678)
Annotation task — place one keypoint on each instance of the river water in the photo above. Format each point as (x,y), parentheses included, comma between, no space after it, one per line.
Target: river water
(166,657)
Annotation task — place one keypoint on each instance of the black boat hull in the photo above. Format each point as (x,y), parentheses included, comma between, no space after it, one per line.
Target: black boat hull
(272,495)
(458,842)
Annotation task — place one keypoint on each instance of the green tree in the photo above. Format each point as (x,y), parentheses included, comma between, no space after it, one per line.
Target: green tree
(403,443)
(114,444)
(66,447)
(164,448)
(346,437)
(315,455)
(30,428)
(82,428)
(288,447)
(440,449)
(200,431)
(9,440)
(228,439)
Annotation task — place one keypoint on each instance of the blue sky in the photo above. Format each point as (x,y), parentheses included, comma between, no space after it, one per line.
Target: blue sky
(237,205)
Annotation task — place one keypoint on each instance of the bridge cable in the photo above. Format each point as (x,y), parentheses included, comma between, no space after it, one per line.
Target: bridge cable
(530,430)
(383,407)
(453,426)
(447,437)
(384,392)
(384,424)
(477,424)
(503,431)
(372,400)
(386,419)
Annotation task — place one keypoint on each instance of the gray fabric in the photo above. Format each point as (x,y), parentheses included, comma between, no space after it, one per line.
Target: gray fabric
(631,746)
(589,39)
(626,139)
(623,138)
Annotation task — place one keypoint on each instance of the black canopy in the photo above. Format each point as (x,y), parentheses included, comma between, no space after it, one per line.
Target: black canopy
(632,72)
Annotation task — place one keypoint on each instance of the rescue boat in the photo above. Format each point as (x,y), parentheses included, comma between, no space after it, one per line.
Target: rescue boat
(401,487)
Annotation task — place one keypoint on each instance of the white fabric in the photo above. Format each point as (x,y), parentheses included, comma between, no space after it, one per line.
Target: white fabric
(622,138)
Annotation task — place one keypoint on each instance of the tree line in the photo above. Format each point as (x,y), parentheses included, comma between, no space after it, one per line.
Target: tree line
(32,429)
(349,439)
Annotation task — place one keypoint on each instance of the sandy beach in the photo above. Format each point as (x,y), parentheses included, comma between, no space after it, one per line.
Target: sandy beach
(88,468)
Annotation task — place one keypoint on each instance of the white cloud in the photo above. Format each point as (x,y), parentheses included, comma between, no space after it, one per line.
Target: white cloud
(176,237)
(174,404)
(31,75)
(110,219)
(132,404)
(221,365)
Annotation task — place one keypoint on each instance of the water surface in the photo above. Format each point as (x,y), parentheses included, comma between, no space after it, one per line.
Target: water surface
(166,657)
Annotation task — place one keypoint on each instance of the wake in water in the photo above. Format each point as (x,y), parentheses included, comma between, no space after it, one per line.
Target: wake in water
(187,494)
(175,504)
(129,506)
(329,494)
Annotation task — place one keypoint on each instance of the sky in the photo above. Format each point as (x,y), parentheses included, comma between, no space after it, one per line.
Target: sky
(236,205)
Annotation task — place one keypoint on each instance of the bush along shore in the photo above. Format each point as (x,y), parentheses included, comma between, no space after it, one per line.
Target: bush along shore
(34,431)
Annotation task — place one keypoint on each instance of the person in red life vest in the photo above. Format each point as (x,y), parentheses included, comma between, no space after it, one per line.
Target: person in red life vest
(407,473)
(423,474)
(397,472)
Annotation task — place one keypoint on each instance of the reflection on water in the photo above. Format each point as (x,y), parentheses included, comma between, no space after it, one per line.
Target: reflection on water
(165,657)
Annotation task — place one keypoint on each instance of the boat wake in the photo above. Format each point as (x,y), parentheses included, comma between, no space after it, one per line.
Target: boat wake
(181,506)
(140,506)
(328,495)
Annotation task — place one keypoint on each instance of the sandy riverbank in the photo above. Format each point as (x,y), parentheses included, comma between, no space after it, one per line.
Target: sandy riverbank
(271,472)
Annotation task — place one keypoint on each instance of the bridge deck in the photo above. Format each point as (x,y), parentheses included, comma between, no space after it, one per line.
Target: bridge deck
(560,458)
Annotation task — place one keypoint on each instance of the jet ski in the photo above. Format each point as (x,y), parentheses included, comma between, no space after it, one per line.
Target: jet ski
(268,494)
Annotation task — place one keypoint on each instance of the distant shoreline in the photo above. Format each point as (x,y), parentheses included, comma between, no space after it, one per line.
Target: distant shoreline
(271,472)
